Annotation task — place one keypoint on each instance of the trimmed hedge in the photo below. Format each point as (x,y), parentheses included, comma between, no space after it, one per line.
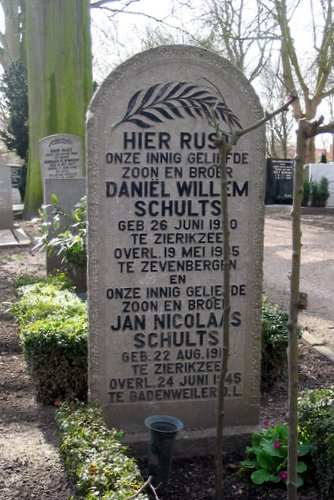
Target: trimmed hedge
(53,332)
(94,457)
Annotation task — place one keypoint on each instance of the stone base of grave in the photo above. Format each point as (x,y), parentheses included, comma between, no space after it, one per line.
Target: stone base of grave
(13,237)
(190,443)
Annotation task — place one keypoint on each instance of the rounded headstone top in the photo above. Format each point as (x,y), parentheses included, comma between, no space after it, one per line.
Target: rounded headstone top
(179,65)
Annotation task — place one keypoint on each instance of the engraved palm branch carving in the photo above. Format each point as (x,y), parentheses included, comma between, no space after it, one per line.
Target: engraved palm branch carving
(172,100)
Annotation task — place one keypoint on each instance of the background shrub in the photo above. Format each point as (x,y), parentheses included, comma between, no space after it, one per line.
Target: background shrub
(319,192)
(94,457)
(274,343)
(316,420)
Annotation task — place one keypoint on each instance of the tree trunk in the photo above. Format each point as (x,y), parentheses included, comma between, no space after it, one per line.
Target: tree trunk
(293,311)
(59,78)
(12,37)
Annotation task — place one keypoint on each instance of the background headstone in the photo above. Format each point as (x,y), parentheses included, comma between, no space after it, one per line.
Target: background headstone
(6,200)
(61,156)
(155,245)
(279,180)
(62,174)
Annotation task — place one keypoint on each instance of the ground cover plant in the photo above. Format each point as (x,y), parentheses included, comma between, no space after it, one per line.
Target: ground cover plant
(94,457)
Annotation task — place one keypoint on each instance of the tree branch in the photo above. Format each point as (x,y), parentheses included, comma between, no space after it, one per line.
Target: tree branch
(327,93)
(157,20)
(316,128)
(268,116)
(101,4)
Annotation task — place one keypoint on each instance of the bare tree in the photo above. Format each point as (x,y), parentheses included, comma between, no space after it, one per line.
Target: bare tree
(280,127)
(225,147)
(309,77)
(242,32)
(306,131)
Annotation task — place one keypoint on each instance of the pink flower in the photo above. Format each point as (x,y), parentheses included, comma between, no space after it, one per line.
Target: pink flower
(283,475)
(265,424)
(277,444)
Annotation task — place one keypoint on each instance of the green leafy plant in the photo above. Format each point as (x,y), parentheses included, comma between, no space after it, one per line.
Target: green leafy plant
(274,342)
(316,419)
(64,235)
(93,455)
(267,457)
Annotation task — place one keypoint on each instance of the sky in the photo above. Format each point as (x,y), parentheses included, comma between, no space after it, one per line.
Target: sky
(125,33)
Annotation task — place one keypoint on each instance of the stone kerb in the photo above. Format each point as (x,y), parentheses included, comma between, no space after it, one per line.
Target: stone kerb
(155,277)
(6,202)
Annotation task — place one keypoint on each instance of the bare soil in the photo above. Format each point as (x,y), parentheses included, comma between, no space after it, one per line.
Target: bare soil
(29,463)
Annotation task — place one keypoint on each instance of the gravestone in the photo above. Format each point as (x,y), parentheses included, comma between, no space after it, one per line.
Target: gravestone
(6,202)
(279,180)
(61,156)
(155,277)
